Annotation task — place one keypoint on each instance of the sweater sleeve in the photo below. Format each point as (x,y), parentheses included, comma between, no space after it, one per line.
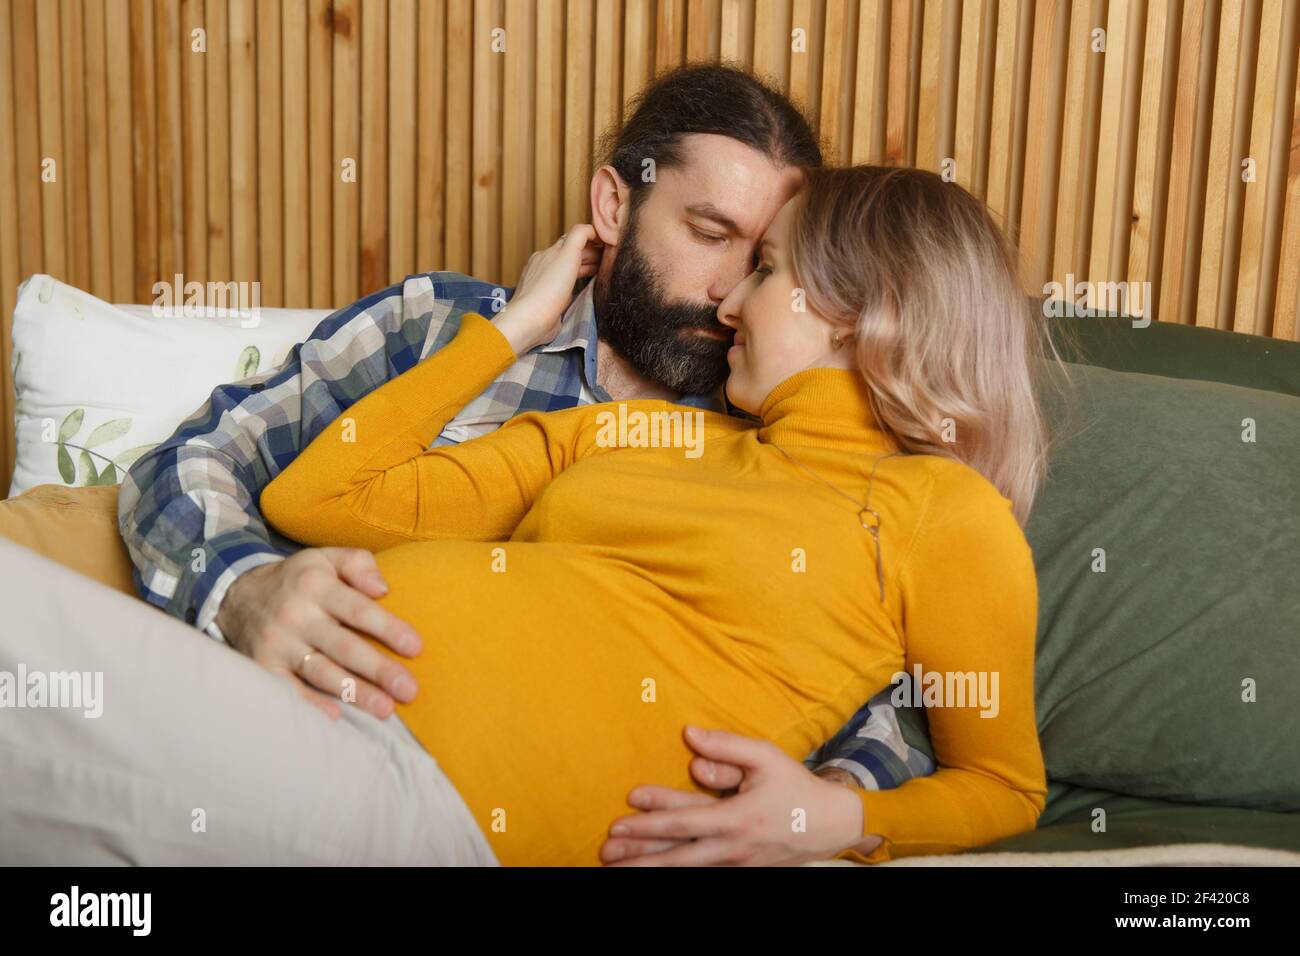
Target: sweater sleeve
(970,608)
(370,480)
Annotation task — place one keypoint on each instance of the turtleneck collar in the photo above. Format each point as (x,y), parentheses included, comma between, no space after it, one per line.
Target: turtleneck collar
(823,406)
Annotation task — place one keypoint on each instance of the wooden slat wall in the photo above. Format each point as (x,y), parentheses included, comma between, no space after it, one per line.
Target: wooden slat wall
(330,147)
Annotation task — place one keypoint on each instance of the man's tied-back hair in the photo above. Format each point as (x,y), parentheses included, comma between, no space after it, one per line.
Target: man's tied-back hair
(706,98)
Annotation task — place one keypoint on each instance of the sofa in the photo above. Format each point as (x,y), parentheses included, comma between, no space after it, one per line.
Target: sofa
(1167,543)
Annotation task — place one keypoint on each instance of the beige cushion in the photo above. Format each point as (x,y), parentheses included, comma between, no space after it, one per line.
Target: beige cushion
(77,527)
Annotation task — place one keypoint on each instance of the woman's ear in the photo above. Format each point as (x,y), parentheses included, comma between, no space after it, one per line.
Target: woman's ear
(610,198)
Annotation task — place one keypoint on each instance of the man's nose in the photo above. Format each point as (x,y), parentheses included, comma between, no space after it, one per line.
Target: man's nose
(733,273)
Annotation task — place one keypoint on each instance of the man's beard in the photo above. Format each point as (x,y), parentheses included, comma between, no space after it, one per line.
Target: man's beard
(653,335)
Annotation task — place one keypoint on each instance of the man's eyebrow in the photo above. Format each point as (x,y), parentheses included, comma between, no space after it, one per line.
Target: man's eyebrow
(709,211)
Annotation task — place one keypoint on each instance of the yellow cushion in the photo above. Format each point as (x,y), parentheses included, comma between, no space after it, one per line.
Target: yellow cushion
(76,527)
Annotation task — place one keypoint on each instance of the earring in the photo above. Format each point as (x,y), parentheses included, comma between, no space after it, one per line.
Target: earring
(836,341)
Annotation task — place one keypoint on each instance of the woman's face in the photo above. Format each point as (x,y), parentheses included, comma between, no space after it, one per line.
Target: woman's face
(777,332)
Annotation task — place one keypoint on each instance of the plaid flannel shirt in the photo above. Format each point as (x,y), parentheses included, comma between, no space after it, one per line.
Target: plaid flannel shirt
(188,509)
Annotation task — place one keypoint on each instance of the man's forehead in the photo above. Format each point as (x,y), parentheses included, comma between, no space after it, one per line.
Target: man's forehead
(728,183)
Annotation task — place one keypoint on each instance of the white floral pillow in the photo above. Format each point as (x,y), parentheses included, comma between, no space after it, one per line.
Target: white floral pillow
(98,385)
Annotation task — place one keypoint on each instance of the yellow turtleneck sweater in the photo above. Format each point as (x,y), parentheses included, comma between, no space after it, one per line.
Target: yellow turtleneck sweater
(581,603)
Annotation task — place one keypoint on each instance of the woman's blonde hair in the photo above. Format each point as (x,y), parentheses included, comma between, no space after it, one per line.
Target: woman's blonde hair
(944,333)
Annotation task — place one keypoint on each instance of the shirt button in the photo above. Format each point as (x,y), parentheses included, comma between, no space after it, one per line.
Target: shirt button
(191,615)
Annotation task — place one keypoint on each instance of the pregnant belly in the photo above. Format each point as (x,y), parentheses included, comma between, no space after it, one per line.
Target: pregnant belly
(554,679)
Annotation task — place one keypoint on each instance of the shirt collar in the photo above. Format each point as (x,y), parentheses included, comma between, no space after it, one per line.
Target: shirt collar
(578,330)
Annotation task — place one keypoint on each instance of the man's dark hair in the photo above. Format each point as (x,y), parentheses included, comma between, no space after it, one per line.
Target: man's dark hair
(706,98)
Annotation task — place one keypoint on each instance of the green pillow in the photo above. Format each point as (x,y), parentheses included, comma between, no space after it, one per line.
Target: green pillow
(1143,670)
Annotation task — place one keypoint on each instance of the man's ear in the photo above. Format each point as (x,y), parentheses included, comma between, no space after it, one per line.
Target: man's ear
(610,204)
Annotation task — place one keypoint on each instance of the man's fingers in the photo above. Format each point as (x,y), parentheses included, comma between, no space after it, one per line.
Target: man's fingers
(687,823)
(613,850)
(697,853)
(347,606)
(376,672)
(359,569)
(715,775)
(722,745)
(323,673)
(655,797)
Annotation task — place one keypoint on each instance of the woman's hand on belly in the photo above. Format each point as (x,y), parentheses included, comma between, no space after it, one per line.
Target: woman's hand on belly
(781,813)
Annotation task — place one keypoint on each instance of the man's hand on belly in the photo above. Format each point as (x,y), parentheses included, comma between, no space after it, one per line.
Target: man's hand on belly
(304,618)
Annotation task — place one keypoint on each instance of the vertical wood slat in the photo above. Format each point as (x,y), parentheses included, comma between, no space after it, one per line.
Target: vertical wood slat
(456,232)
(638,48)
(216,19)
(1114,182)
(193,132)
(270,154)
(839,79)
(372,166)
(27,141)
(927,134)
(1151,173)
(320,163)
(967,77)
(432,140)
(73,167)
(607,109)
(1002,119)
(871,80)
(1221,173)
(1043,142)
(98,225)
(900,106)
(517,140)
(1260,231)
(117,31)
(1189,137)
(293,167)
(171,177)
(548,179)
(49,80)
(670,35)
(402,137)
(9,269)
(1074,182)
(485,206)
(1286,311)
(145,153)
(807,27)
(704,29)
(772,19)
(244,145)
(736,32)
(579,64)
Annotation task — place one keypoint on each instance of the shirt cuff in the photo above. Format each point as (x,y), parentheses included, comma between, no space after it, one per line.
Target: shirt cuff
(206,619)
(874,821)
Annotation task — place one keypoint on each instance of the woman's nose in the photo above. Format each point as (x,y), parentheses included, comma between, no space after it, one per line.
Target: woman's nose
(727,314)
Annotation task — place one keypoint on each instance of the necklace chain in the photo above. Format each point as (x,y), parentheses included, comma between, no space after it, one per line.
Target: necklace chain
(863,509)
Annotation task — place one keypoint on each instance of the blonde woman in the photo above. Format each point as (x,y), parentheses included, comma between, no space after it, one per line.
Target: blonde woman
(765,580)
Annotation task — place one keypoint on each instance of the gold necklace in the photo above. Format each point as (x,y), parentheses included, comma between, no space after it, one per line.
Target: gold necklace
(873,529)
